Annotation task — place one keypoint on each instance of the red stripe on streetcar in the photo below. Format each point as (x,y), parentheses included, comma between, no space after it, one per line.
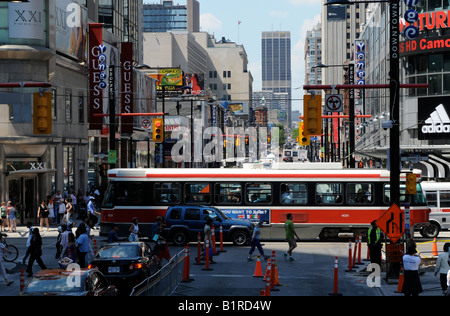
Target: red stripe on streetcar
(255,176)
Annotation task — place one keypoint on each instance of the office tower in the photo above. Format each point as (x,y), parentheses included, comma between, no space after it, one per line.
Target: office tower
(168,16)
(276,69)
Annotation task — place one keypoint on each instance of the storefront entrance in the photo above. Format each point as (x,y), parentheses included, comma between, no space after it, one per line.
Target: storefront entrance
(23,192)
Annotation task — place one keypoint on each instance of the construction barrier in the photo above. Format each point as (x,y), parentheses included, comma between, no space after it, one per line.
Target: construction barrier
(198,259)
(350,262)
(401,279)
(207,268)
(336,275)
(22,280)
(165,281)
(187,269)
(221,239)
(359,250)
(213,239)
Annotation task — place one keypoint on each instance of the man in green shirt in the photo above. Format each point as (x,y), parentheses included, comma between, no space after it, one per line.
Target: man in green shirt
(290,233)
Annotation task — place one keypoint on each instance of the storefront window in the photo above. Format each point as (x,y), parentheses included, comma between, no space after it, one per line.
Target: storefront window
(435,63)
(435,84)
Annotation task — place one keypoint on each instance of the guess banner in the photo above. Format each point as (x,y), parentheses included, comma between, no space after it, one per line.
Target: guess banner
(127,86)
(96,84)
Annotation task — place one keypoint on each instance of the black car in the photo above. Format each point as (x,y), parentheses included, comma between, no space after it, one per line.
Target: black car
(59,282)
(125,264)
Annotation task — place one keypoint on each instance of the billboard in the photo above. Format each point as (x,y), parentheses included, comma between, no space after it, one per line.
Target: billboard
(27,20)
(434,118)
(71,40)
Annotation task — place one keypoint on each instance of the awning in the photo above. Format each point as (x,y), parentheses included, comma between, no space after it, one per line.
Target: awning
(436,168)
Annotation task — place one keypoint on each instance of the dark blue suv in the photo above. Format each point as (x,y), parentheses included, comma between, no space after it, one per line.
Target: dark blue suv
(184,222)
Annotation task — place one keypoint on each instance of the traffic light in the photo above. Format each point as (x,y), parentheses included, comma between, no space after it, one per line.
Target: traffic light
(42,113)
(158,130)
(303,139)
(312,114)
(411,183)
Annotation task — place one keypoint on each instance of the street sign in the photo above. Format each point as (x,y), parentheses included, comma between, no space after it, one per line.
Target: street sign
(146,124)
(392,223)
(334,103)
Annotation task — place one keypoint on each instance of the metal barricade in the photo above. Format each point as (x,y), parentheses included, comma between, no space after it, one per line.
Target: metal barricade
(163,282)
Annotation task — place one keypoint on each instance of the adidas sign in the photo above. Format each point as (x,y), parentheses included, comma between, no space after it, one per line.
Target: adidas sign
(438,123)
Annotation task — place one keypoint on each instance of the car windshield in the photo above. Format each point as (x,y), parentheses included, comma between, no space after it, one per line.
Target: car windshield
(118,251)
(56,284)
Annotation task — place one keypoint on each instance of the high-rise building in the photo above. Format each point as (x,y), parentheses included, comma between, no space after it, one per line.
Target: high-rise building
(276,68)
(168,16)
(313,55)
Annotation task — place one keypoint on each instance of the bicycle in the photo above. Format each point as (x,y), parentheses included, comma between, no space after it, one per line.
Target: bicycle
(9,257)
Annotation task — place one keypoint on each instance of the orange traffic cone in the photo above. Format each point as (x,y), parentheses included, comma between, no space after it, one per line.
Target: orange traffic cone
(276,280)
(258,269)
(401,279)
(434,250)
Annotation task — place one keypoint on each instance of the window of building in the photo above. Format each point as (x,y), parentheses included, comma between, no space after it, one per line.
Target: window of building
(68,103)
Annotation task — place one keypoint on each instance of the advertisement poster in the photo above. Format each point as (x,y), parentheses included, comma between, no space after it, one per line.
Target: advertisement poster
(249,214)
(71,40)
(26,20)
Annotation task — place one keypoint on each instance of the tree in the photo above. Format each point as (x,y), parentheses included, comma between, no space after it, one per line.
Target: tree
(282,135)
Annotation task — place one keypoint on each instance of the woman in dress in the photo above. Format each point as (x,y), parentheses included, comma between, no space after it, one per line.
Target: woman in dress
(43,214)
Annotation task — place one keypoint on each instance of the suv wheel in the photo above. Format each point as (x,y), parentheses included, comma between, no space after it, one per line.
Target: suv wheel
(180,238)
(239,238)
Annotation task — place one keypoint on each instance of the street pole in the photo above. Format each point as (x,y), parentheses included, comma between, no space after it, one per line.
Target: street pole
(394,9)
(112,112)
(351,110)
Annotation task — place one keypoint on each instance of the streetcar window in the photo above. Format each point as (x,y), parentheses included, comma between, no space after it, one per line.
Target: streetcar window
(416,200)
(228,193)
(197,193)
(167,193)
(259,193)
(329,193)
(359,193)
(294,193)
(444,197)
(127,194)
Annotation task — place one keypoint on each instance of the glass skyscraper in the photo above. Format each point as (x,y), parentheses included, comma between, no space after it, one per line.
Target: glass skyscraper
(168,16)
(276,69)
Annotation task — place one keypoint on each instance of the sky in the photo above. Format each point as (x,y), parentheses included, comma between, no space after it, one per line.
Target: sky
(256,16)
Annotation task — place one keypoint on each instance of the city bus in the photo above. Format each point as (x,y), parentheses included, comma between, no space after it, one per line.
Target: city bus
(438,198)
(325,204)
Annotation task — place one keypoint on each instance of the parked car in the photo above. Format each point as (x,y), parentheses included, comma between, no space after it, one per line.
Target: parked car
(60,282)
(184,222)
(125,264)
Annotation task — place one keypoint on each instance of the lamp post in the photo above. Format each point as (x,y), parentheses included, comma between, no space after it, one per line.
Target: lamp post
(394,37)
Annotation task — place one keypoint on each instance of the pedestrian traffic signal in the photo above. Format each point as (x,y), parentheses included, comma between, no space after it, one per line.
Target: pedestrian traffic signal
(312,114)
(158,130)
(304,140)
(42,113)
(411,183)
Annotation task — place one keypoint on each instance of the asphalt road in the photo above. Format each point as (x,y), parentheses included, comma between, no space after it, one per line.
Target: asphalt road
(311,274)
